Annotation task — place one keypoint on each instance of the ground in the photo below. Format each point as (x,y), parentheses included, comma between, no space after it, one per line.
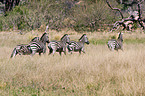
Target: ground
(98,72)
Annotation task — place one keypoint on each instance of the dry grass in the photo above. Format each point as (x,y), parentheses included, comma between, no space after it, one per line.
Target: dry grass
(99,72)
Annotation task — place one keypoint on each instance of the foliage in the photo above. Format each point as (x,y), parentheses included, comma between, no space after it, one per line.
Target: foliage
(80,15)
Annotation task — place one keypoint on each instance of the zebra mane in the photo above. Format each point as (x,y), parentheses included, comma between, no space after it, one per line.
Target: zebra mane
(64,36)
(35,38)
(82,36)
(120,37)
(43,36)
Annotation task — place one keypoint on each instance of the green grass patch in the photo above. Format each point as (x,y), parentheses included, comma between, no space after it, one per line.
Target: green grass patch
(98,41)
(134,41)
(127,41)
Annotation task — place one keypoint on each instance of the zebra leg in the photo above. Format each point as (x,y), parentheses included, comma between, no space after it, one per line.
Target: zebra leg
(70,48)
(39,53)
(14,53)
(50,51)
(60,53)
(122,48)
(53,52)
(65,52)
(112,48)
(69,51)
(109,47)
(80,51)
(83,50)
(33,53)
(44,50)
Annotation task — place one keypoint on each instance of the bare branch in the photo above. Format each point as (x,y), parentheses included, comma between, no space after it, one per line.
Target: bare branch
(140,17)
(139,10)
(115,9)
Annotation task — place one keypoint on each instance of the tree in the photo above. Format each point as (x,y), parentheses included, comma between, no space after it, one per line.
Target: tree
(127,23)
(9,4)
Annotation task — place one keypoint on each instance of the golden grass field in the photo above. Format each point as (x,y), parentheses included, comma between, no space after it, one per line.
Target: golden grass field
(99,72)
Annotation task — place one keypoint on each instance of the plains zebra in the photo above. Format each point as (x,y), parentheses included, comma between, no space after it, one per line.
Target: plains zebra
(78,46)
(33,47)
(116,44)
(59,46)
(39,46)
(23,49)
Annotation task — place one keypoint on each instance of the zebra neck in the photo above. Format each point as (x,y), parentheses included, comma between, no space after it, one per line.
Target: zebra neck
(43,41)
(64,42)
(82,42)
(119,41)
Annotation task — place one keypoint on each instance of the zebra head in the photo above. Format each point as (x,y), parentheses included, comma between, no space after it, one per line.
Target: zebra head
(84,39)
(120,37)
(44,38)
(65,39)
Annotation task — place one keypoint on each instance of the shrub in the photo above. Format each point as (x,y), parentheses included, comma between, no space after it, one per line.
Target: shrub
(88,15)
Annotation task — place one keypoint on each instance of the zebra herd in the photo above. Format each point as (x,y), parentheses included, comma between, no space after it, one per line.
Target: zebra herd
(37,45)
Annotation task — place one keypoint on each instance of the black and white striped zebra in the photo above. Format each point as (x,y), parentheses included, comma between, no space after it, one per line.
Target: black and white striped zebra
(35,46)
(23,49)
(116,44)
(78,46)
(39,46)
(59,46)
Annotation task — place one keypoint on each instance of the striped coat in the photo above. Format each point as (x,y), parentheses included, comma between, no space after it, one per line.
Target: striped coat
(116,44)
(59,46)
(39,46)
(35,46)
(78,46)
(23,49)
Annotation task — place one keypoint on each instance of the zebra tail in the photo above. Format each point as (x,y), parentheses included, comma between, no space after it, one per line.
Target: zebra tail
(14,53)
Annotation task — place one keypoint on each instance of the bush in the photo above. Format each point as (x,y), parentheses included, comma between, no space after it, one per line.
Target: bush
(83,16)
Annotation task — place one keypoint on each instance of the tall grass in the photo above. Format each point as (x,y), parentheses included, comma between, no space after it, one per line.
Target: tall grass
(99,72)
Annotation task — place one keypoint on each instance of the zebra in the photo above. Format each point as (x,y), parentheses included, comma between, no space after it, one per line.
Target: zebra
(33,47)
(23,49)
(39,46)
(116,44)
(59,46)
(78,46)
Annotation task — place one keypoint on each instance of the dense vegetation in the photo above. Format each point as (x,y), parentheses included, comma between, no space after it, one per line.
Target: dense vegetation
(80,15)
